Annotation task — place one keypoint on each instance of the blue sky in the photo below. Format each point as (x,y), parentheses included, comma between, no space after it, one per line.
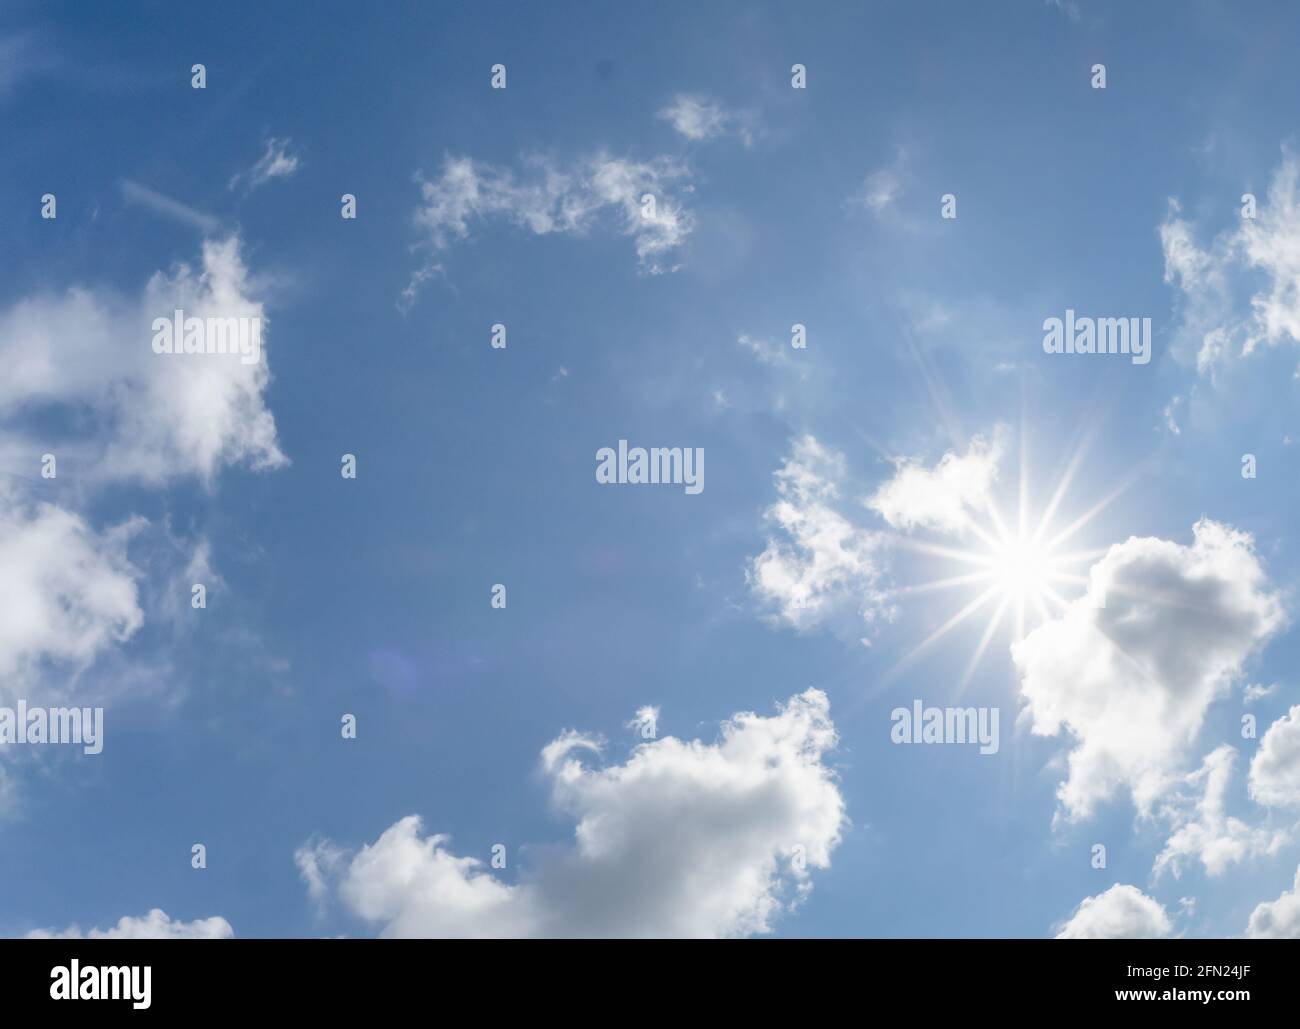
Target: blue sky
(923,394)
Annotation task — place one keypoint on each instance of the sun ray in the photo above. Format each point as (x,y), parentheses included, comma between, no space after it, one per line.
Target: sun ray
(941,584)
(942,631)
(1027,571)
(988,540)
(1067,477)
(1023,519)
(994,622)
(936,550)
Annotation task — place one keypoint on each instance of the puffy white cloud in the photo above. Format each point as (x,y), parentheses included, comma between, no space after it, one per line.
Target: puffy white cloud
(1275,769)
(1277,919)
(159,415)
(1130,668)
(550,199)
(684,839)
(69,592)
(277,162)
(156,925)
(1121,913)
(944,497)
(411,886)
(819,562)
(1244,288)
(1212,835)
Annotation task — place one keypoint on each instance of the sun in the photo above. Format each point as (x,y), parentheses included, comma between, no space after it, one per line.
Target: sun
(1022,569)
(1019,574)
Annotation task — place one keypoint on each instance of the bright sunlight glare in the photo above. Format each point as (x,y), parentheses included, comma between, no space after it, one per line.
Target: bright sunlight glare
(1018,572)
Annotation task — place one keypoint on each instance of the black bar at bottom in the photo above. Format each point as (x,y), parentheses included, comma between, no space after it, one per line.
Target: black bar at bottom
(365,977)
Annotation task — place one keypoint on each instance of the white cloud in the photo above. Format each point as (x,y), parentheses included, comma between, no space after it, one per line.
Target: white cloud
(1244,288)
(1258,691)
(699,119)
(695,117)
(318,862)
(550,199)
(159,415)
(819,562)
(881,191)
(1121,913)
(944,497)
(1211,834)
(684,839)
(69,592)
(1068,7)
(1275,770)
(1171,413)
(1277,919)
(646,722)
(766,351)
(156,925)
(276,163)
(1130,668)
(135,193)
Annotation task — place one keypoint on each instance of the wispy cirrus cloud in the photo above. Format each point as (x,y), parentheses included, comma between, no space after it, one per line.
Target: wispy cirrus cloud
(641,199)
(277,162)
(1241,290)
(700,119)
(169,208)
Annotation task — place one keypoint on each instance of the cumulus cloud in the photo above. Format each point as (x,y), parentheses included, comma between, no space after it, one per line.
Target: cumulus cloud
(548,199)
(817,562)
(1130,668)
(159,415)
(1121,913)
(944,497)
(277,162)
(683,839)
(1277,919)
(156,925)
(1275,770)
(69,592)
(1243,288)
(1211,835)
(699,119)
